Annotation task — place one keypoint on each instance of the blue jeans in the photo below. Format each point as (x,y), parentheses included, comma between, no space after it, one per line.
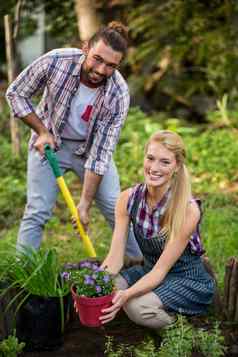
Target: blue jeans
(42,192)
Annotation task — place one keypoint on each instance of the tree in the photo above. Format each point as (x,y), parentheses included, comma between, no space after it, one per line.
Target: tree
(184,50)
(11,34)
(87,19)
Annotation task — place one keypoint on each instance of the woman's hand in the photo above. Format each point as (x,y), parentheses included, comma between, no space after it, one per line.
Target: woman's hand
(118,301)
(112,264)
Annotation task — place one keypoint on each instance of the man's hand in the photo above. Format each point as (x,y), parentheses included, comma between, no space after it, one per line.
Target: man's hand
(90,186)
(42,140)
(44,136)
(83,210)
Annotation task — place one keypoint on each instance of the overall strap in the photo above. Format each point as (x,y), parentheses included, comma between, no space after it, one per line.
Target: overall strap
(135,206)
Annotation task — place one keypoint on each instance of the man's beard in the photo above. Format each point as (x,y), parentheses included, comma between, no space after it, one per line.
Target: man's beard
(94,78)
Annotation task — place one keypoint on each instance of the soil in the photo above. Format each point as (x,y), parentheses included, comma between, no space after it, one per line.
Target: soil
(90,342)
(81,341)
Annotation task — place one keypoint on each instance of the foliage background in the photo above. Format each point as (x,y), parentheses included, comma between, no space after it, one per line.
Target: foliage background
(213,165)
(182,56)
(182,73)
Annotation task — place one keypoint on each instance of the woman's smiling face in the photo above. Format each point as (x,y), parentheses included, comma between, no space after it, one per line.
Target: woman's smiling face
(159,165)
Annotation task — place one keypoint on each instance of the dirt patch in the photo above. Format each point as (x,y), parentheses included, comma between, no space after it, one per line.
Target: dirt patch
(90,342)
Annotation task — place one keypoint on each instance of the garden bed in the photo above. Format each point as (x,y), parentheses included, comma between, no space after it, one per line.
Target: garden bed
(89,342)
(86,342)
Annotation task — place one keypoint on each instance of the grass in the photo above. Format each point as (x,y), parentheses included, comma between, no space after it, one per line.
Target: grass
(220,231)
(211,158)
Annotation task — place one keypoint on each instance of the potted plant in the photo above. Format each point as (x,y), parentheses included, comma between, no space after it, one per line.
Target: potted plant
(41,296)
(92,290)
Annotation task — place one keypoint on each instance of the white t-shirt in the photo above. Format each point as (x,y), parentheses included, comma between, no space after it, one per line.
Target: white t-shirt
(76,127)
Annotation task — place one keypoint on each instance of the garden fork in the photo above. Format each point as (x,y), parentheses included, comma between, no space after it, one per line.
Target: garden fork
(50,155)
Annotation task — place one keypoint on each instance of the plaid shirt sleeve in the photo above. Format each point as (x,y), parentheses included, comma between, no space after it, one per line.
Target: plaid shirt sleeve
(107,135)
(27,84)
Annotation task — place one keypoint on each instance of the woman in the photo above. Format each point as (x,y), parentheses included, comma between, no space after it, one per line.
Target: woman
(166,220)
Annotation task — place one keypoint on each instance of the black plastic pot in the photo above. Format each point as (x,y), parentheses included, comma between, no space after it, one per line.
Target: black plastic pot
(7,318)
(39,322)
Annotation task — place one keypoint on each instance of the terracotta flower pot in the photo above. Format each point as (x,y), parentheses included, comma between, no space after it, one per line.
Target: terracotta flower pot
(90,308)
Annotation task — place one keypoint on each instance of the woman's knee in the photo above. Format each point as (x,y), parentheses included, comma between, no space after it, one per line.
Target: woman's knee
(147,310)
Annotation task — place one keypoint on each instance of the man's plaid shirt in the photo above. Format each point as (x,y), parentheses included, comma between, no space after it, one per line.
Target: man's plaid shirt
(57,75)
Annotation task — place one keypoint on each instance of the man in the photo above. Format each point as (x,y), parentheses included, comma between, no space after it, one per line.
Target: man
(83,107)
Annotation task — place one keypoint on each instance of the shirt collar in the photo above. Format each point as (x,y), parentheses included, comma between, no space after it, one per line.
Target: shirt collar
(77,69)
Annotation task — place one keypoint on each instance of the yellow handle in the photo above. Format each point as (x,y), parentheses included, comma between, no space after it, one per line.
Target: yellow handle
(74,212)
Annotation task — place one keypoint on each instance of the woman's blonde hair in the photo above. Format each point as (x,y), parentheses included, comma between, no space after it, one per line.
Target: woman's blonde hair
(175,213)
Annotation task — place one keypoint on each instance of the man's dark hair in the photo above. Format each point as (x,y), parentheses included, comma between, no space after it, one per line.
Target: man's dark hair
(115,35)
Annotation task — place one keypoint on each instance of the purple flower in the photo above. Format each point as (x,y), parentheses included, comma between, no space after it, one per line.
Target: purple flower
(95,267)
(99,269)
(88,280)
(65,275)
(106,278)
(85,265)
(98,289)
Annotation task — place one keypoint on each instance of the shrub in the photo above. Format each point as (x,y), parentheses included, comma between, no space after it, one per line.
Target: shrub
(182,339)
(10,347)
